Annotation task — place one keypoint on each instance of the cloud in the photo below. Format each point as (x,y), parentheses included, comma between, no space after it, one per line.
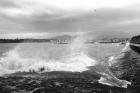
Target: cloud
(7,3)
(102,20)
(78,4)
(23,16)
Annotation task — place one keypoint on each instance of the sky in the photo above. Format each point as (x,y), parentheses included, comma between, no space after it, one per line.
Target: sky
(46,18)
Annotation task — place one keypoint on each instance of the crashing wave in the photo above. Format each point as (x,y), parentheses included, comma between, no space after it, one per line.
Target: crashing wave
(74,59)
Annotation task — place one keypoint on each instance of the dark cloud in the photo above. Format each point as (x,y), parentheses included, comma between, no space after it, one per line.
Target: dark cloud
(7,4)
(103,22)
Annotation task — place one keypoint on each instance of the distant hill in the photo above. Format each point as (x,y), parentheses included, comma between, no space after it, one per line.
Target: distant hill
(64,37)
(56,38)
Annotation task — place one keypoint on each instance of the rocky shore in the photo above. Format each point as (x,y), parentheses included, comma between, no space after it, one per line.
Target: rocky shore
(59,83)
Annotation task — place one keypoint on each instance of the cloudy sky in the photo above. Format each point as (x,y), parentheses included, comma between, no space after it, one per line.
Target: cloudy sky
(45,18)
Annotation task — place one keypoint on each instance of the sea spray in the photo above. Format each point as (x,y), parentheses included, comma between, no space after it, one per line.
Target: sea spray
(27,57)
(78,44)
(73,57)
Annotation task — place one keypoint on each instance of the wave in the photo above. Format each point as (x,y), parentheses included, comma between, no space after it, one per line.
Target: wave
(47,58)
(13,62)
(50,57)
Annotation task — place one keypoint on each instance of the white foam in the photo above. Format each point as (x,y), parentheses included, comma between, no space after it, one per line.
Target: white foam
(114,82)
(33,57)
(74,63)
(73,58)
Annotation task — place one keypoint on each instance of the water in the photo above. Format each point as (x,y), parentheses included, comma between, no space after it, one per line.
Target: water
(75,57)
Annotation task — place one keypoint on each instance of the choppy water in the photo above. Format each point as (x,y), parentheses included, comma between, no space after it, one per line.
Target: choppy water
(74,57)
